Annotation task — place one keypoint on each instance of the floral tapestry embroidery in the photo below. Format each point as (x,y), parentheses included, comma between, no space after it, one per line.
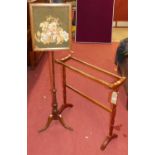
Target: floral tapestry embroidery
(51,31)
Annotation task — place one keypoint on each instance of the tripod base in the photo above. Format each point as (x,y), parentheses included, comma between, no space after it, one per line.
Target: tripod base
(59,118)
(107,141)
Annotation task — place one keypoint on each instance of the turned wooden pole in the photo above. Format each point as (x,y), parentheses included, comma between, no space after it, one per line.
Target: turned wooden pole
(64,85)
(52,81)
(113,114)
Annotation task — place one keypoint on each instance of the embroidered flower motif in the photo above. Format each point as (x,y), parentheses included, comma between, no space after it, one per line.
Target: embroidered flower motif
(51,32)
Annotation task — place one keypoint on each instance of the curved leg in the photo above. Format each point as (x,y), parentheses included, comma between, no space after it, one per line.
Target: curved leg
(64,106)
(63,123)
(107,141)
(50,118)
